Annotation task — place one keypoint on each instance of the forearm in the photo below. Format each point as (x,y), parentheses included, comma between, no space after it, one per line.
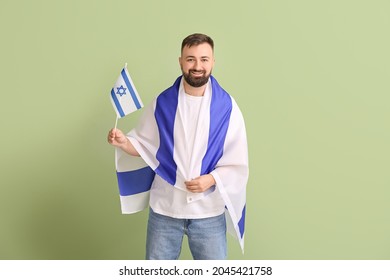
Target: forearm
(128,147)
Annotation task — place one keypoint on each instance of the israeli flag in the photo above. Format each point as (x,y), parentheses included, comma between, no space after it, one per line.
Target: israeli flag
(124,96)
(220,149)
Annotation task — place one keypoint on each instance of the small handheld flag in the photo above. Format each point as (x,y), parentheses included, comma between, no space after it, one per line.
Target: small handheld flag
(124,96)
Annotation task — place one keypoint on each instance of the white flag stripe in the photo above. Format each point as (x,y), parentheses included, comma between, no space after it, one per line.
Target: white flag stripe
(134,203)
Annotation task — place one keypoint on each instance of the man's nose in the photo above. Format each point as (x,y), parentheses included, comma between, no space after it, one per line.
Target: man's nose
(197,65)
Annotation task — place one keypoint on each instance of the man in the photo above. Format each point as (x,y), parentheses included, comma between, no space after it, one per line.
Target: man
(193,137)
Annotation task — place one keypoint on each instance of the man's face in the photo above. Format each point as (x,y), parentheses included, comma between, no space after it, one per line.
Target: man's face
(197,64)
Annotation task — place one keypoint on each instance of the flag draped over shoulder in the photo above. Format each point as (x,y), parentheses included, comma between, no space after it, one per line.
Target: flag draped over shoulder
(220,149)
(124,96)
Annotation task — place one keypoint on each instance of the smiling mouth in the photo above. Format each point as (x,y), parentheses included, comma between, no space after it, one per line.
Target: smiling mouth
(197,73)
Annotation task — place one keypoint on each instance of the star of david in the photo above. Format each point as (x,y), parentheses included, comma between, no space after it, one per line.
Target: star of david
(121,90)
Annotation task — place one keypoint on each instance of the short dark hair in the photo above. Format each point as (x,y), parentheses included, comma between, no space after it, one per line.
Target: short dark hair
(197,39)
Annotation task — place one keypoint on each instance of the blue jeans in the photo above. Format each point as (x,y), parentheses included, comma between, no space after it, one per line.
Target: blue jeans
(206,237)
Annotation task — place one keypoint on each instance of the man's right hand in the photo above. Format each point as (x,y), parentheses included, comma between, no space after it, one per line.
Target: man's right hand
(118,139)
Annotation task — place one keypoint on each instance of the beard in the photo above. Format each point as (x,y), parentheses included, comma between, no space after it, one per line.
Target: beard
(196,81)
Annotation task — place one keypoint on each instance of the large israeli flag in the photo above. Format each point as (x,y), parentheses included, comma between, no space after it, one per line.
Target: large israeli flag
(220,149)
(124,96)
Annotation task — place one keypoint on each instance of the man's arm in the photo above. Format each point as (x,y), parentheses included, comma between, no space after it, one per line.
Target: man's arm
(118,139)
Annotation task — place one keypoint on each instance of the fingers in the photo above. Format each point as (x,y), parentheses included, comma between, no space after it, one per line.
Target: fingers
(194,185)
(113,135)
(200,184)
(191,183)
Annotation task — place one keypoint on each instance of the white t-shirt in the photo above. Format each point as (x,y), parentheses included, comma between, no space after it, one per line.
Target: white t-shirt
(173,202)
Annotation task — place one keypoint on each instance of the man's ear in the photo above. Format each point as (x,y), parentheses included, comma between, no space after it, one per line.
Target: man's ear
(180,61)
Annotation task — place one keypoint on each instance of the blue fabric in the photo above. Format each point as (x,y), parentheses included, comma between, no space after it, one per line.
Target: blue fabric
(241,223)
(165,113)
(136,181)
(220,111)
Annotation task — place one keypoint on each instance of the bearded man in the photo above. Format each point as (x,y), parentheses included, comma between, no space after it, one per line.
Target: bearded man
(193,138)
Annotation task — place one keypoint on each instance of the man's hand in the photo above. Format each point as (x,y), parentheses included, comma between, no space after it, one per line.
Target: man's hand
(118,139)
(201,183)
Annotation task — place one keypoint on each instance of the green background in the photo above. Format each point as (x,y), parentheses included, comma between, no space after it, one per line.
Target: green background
(312,79)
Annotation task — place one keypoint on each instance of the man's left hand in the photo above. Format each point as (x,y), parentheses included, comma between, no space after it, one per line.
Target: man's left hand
(200,184)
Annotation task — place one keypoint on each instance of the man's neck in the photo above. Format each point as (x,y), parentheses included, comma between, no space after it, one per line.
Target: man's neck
(194,91)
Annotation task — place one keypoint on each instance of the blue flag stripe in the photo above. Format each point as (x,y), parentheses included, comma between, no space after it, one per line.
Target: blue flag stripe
(220,111)
(165,114)
(132,93)
(117,103)
(241,222)
(136,181)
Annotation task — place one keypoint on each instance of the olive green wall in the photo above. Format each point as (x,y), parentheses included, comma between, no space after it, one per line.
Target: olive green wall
(311,77)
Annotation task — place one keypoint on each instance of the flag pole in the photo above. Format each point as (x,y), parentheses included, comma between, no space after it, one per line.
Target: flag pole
(116,122)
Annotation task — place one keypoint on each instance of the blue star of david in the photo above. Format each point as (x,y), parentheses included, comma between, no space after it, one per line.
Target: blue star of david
(121,90)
